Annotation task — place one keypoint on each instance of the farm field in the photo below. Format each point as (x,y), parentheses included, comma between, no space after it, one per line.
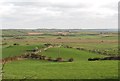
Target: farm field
(80,46)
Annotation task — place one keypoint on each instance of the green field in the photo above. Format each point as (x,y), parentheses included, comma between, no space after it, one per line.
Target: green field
(80,68)
(10,51)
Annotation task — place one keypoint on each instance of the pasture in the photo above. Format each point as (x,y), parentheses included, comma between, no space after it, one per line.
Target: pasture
(17,42)
(81,68)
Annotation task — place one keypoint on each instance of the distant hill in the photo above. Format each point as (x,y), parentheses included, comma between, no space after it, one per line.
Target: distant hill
(26,31)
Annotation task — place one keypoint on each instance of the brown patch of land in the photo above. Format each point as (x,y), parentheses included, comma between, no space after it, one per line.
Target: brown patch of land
(34,33)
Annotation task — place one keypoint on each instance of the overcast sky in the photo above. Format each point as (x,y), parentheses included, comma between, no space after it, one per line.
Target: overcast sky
(70,14)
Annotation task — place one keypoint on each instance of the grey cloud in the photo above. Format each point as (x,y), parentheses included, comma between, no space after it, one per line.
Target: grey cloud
(49,4)
(58,15)
(113,6)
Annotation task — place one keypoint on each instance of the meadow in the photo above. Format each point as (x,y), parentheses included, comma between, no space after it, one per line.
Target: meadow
(17,42)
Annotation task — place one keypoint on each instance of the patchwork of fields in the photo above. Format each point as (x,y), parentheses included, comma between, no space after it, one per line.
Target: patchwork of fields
(80,68)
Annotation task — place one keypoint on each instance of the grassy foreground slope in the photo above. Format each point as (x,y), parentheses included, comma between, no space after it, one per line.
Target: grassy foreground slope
(79,69)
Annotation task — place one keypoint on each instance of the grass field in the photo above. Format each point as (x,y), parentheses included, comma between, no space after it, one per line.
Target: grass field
(67,53)
(80,68)
(51,70)
(10,51)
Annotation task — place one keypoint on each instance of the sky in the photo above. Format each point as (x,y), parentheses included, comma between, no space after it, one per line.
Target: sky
(59,14)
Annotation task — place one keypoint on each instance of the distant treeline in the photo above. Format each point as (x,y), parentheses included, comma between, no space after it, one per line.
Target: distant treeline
(62,30)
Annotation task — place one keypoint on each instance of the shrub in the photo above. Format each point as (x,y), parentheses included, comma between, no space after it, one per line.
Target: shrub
(9,46)
(70,60)
(47,44)
(59,59)
(4,43)
(49,59)
(93,59)
(59,38)
(90,59)
(27,44)
(15,44)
